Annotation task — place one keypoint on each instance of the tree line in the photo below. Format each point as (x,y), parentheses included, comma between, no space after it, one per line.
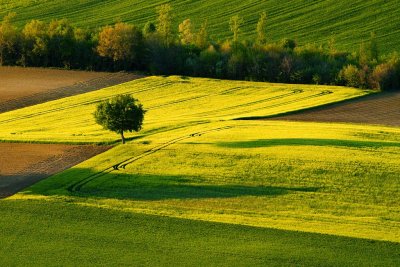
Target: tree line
(158,49)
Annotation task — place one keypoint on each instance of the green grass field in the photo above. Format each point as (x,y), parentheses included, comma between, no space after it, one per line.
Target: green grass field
(198,188)
(306,21)
(171,102)
(324,178)
(58,233)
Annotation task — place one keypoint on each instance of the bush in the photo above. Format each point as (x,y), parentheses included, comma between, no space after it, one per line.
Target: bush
(386,76)
(288,43)
(352,76)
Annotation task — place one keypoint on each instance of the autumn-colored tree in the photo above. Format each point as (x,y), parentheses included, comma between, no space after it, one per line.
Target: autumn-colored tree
(8,36)
(122,43)
(202,36)
(186,35)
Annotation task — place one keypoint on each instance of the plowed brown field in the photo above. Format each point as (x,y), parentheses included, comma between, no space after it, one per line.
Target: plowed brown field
(21,87)
(22,165)
(383,109)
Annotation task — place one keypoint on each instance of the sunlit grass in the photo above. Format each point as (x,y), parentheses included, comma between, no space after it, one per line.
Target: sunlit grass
(171,102)
(193,161)
(326,178)
(40,233)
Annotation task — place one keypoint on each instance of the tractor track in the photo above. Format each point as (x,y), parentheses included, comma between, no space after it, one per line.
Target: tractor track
(77,186)
(323,93)
(294,92)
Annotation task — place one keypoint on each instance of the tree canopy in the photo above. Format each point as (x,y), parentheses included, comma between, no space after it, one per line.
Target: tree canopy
(120,114)
(157,49)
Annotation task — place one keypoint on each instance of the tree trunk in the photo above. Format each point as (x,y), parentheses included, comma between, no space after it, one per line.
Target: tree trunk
(122,137)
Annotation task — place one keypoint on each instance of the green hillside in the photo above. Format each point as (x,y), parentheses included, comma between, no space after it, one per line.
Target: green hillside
(171,102)
(197,188)
(60,234)
(307,21)
(311,177)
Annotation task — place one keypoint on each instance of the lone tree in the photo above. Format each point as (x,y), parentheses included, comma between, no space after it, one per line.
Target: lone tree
(120,114)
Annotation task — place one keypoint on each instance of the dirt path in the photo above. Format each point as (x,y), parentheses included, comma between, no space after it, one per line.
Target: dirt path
(22,165)
(383,109)
(21,87)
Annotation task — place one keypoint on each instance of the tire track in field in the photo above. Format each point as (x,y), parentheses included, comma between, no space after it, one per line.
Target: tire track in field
(323,93)
(227,91)
(223,92)
(294,92)
(77,186)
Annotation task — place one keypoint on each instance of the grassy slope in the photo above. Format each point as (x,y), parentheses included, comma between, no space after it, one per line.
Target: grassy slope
(171,102)
(321,178)
(324,178)
(307,21)
(56,233)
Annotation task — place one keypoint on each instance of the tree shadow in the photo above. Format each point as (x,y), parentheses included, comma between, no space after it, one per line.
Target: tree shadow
(119,185)
(307,142)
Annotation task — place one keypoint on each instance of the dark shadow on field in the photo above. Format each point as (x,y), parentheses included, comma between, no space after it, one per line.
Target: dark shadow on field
(307,142)
(11,184)
(151,187)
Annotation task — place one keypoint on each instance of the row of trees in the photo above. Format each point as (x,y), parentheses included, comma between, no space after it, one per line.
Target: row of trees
(158,50)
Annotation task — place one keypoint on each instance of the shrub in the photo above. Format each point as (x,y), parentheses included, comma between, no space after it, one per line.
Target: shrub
(288,43)
(386,76)
(350,74)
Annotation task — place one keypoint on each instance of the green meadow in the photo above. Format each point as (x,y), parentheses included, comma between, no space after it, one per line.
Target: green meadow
(198,187)
(323,178)
(305,21)
(46,233)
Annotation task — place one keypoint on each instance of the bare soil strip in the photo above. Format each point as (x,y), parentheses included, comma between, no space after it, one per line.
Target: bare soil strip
(22,87)
(22,165)
(382,109)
